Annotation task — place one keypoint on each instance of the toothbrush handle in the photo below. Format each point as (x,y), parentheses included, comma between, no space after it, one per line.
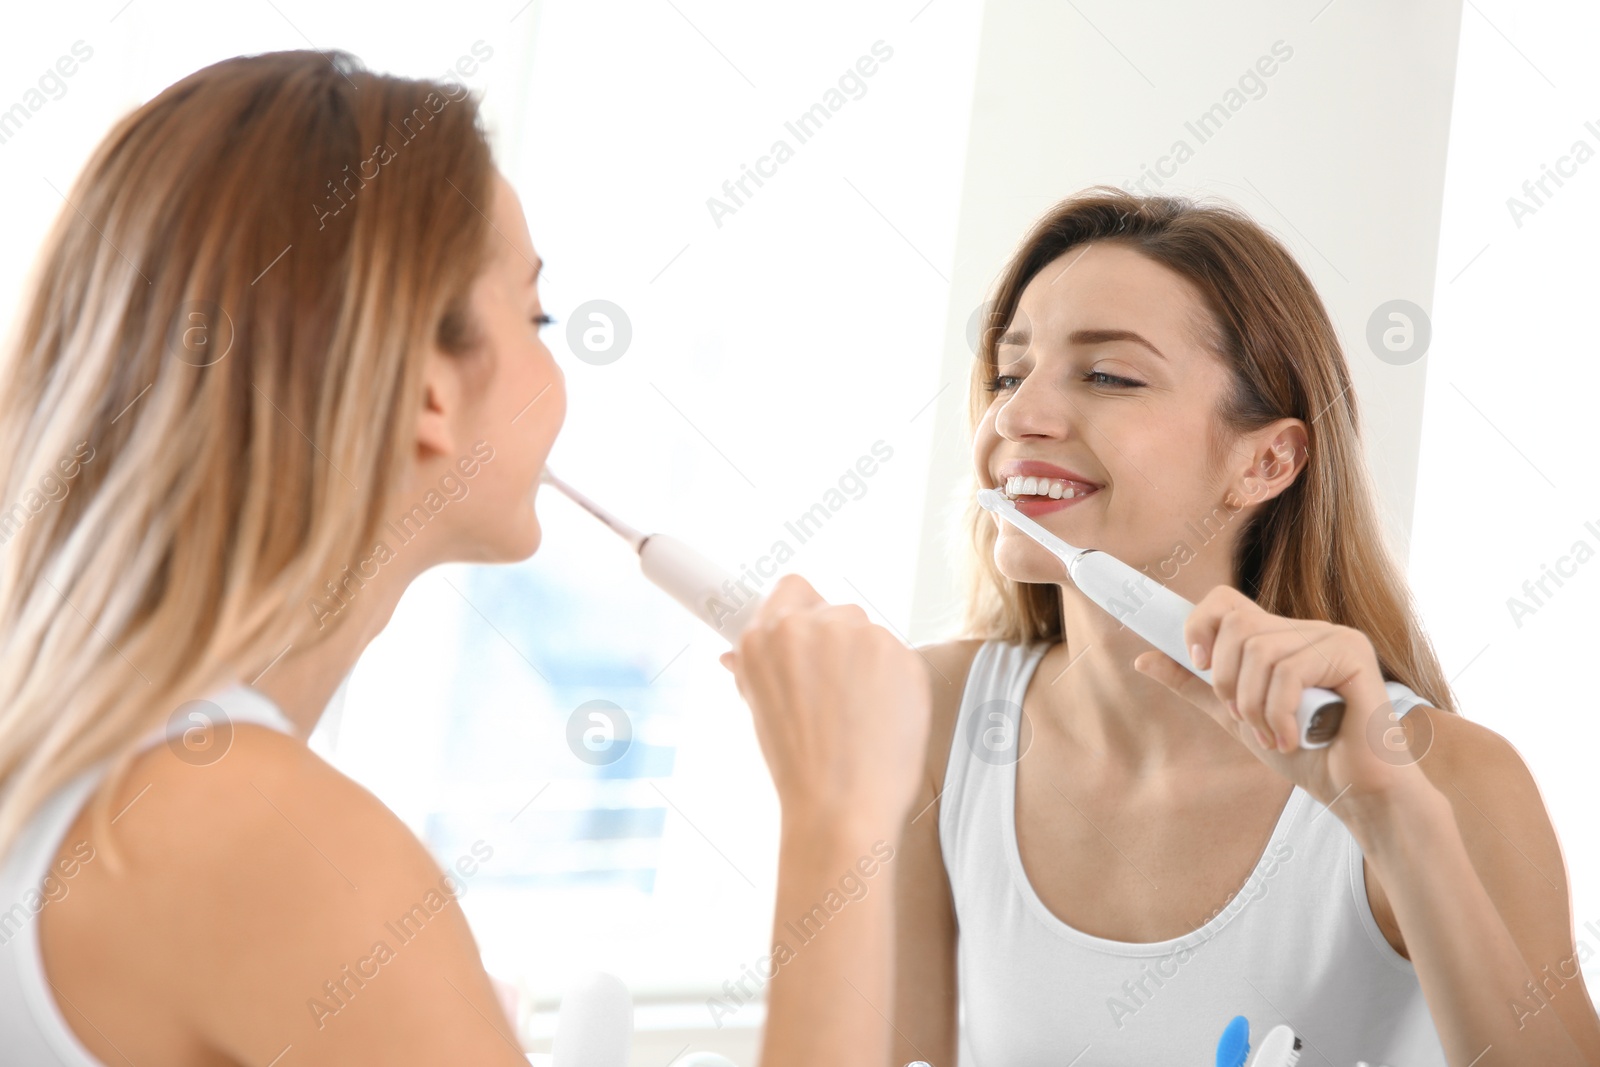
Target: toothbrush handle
(708,591)
(1157,614)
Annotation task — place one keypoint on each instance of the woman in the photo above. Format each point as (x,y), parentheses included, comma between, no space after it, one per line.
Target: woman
(290,302)
(1114,876)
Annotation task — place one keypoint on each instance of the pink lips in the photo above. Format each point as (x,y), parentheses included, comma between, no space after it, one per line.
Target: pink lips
(1038,468)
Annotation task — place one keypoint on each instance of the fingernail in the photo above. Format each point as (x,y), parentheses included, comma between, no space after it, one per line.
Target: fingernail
(1197,654)
(1233,708)
(1261,738)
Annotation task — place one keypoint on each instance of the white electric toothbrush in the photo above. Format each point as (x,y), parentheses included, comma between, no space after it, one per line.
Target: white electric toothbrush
(1154,612)
(710,593)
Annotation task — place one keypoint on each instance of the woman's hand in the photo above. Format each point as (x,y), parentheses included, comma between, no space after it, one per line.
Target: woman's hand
(841,708)
(1260,663)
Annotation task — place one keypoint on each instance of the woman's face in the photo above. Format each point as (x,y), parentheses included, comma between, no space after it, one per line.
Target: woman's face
(1128,418)
(507,402)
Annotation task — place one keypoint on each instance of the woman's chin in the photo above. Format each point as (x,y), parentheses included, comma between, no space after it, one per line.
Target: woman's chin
(530,535)
(1035,566)
(518,541)
(1036,575)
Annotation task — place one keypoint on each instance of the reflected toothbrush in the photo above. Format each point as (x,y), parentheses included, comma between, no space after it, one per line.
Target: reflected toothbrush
(1280,1048)
(1154,612)
(1234,1045)
(711,594)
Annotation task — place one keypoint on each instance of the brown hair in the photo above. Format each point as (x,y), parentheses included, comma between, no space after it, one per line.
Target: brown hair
(221,358)
(1314,551)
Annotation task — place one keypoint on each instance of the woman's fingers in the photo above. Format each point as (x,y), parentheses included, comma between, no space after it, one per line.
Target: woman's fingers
(789,593)
(1181,680)
(1205,621)
(1164,669)
(1289,679)
(1243,644)
(1268,661)
(1261,663)
(840,705)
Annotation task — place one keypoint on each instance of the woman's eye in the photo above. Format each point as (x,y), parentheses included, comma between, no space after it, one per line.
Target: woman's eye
(1113,380)
(542,321)
(1002,382)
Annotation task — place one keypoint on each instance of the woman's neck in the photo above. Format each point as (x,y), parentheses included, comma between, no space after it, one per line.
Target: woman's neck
(302,681)
(1087,689)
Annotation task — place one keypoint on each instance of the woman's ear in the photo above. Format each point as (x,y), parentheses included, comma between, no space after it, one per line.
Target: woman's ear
(1277,453)
(440,410)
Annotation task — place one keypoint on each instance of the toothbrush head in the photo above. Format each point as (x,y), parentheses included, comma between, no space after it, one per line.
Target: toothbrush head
(1003,506)
(991,499)
(1235,1043)
(1280,1048)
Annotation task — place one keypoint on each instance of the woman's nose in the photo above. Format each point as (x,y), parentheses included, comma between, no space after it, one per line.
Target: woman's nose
(1035,408)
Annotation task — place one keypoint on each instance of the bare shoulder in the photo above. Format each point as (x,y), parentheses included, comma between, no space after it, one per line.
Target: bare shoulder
(948,664)
(1459,754)
(1491,790)
(265,816)
(259,896)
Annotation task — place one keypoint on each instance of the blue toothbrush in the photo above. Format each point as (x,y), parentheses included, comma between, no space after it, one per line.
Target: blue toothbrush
(1235,1043)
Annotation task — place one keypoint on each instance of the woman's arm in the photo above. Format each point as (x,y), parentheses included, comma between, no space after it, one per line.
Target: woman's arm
(1472,872)
(925,993)
(829,1000)
(1479,918)
(840,708)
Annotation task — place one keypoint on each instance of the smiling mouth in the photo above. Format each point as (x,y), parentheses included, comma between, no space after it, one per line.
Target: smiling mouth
(1027,488)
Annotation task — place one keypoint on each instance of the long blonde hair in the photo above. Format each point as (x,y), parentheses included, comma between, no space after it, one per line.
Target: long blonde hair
(1316,550)
(210,394)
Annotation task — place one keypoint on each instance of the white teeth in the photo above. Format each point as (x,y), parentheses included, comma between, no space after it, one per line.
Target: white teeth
(1052,488)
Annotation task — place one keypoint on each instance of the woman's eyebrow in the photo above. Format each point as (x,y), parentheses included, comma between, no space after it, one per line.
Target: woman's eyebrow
(1097,337)
(1083,337)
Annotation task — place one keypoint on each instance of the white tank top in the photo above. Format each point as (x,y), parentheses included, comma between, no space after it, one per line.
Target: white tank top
(1297,945)
(33,1032)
